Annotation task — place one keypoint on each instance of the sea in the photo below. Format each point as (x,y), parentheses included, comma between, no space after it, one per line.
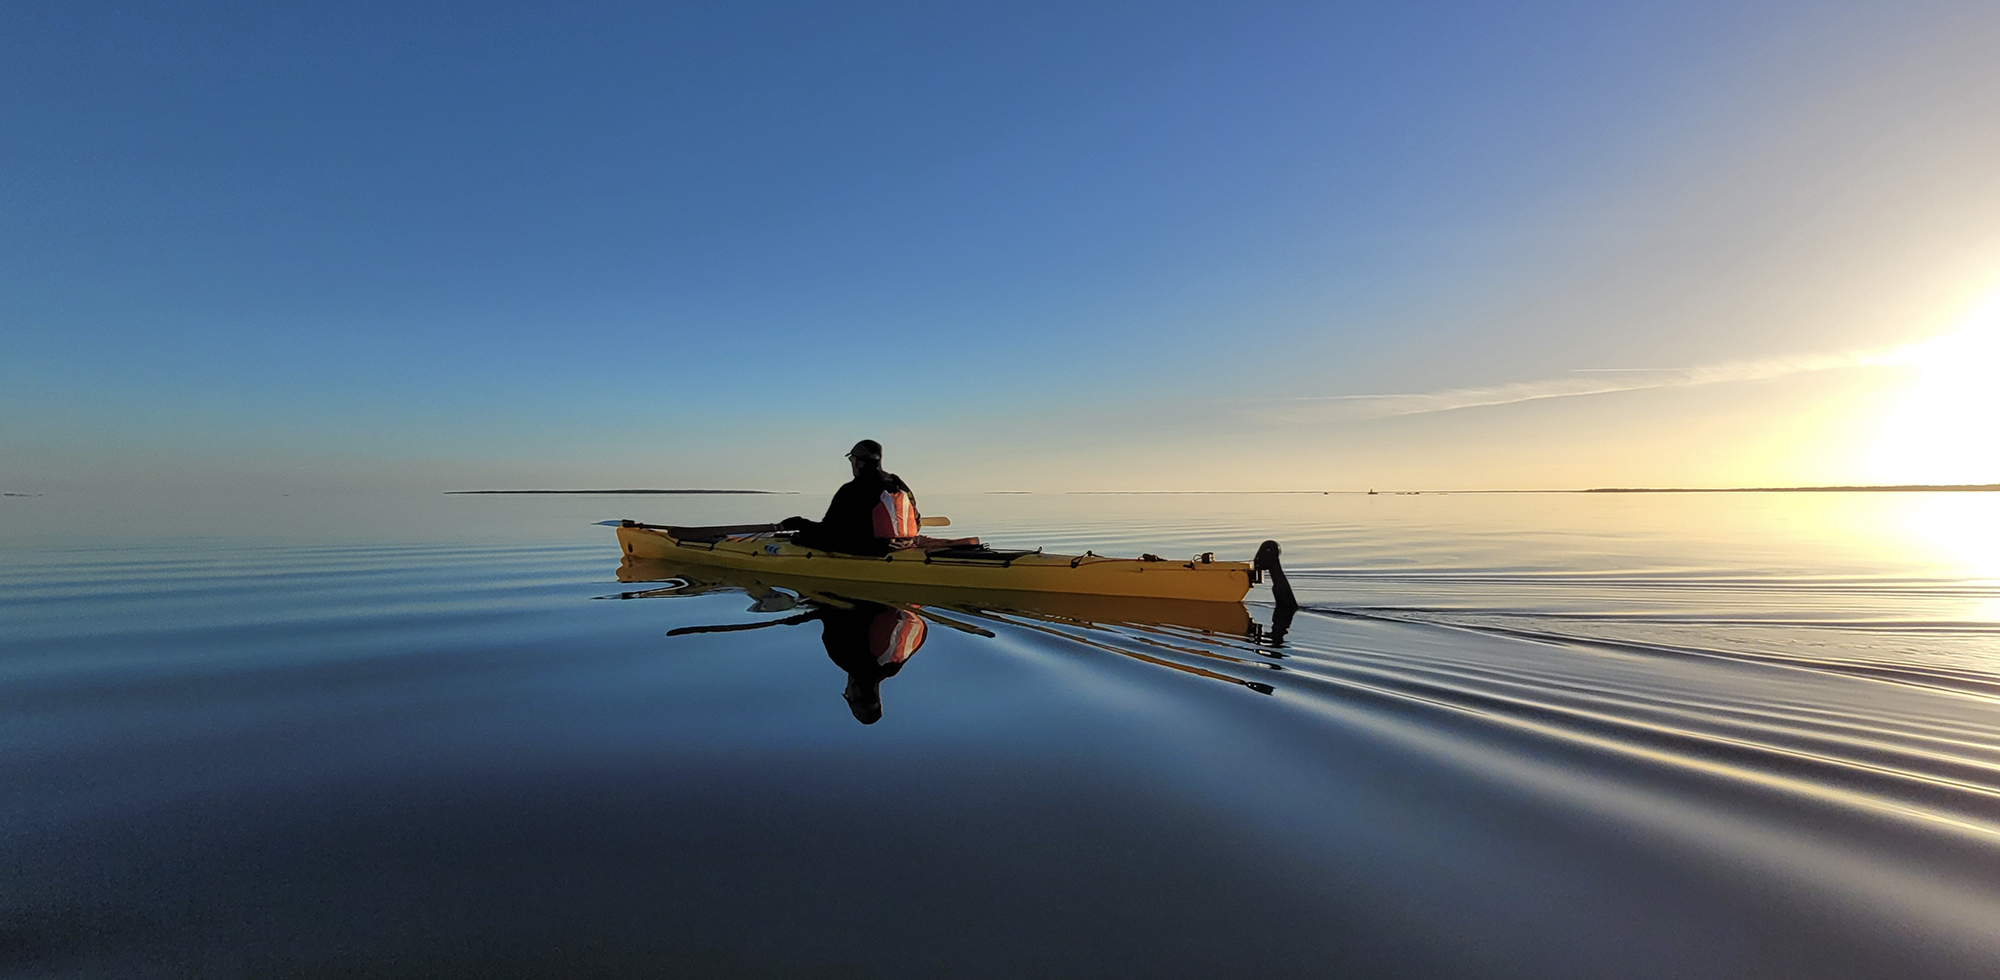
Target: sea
(1535,735)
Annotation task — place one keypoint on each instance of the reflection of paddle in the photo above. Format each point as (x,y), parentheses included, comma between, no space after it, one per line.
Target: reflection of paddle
(953,623)
(739,627)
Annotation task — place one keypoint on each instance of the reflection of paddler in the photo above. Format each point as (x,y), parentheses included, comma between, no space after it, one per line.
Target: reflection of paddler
(870,642)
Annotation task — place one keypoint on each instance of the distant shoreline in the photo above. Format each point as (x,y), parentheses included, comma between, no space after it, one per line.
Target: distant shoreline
(1901,488)
(450,492)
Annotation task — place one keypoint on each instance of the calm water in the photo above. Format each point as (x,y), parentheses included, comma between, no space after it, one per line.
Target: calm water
(1510,735)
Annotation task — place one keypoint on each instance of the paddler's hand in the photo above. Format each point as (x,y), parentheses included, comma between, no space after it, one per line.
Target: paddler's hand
(794,524)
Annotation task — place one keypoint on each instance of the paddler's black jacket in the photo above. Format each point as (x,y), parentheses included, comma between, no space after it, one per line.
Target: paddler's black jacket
(849,525)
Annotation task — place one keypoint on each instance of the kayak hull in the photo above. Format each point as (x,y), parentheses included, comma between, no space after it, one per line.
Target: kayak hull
(1224,618)
(1212,581)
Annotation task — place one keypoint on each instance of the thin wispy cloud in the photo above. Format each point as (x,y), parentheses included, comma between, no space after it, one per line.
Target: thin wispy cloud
(1579,383)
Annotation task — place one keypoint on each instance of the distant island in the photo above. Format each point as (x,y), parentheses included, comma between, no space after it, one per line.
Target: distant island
(1902,488)
(449,492)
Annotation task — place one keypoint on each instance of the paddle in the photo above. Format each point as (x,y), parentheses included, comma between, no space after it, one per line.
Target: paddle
(745,528)
(718,530)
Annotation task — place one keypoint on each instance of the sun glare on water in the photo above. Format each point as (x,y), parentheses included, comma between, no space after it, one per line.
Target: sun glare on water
(1958,535)
(1945,429)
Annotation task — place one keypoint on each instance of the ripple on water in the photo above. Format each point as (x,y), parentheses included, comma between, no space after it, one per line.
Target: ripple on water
(1495,742)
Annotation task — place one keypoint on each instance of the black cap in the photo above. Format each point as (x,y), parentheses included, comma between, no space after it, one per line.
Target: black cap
(866,449)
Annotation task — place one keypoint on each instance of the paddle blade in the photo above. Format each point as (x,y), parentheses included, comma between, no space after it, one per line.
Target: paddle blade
(934,522)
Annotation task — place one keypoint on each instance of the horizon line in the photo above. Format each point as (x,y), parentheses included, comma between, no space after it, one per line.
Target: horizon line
(451,492)
(1857,488)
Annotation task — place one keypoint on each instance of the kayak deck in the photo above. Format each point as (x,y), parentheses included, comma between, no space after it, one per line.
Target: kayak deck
(969,568)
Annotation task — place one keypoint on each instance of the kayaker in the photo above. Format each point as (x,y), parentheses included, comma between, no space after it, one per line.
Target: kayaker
(871,514)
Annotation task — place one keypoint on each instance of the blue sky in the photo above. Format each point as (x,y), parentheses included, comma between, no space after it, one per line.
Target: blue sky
(1044,247)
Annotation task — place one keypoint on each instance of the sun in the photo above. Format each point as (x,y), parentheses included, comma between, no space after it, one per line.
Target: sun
(1945,427)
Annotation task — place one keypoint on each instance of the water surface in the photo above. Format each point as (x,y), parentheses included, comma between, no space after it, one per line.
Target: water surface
(1524,735)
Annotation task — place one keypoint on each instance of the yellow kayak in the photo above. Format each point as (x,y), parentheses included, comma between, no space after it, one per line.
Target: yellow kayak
(1226,618)
(758,548)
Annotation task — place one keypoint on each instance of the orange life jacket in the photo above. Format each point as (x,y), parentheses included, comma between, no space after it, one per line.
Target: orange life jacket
(896,515)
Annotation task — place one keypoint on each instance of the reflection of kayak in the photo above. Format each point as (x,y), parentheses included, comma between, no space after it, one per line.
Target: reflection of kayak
(1226,618)
(953,567)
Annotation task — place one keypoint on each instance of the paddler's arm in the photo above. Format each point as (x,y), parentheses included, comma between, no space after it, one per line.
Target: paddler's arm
(832,518)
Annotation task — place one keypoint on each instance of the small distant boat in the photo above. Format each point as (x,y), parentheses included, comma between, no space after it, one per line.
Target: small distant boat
(763,548)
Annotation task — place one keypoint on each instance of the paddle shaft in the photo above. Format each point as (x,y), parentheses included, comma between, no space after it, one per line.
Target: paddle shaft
(727,529)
